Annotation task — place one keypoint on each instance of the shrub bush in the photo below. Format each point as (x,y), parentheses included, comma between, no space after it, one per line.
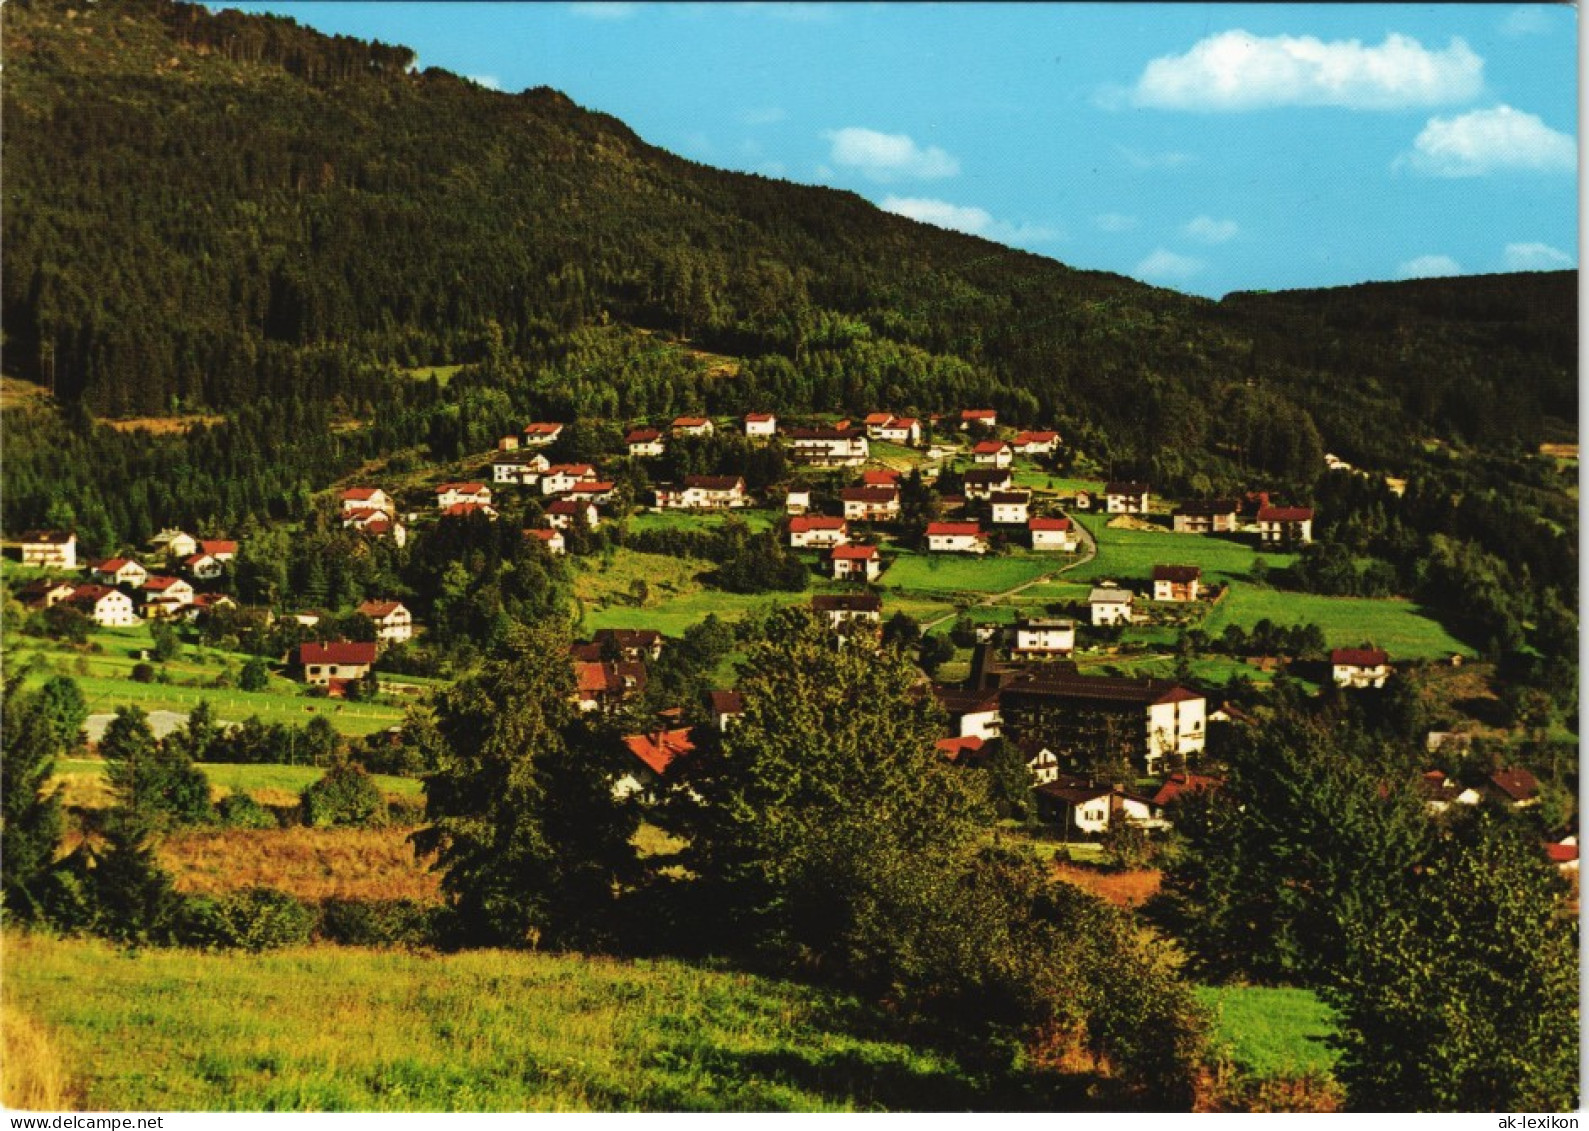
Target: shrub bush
(347,795)
(253,919)
(240,811)
(143,673)
(380,922)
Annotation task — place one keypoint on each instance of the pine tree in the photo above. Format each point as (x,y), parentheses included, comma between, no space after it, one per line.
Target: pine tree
(30,813)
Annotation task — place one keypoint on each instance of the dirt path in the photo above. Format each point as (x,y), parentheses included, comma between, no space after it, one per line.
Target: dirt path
(1089,552)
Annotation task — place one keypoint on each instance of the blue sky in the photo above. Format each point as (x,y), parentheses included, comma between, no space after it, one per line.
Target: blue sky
(1208,148)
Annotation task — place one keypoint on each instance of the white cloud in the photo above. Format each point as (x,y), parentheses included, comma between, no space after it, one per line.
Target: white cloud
(604,10)
(1163,264)
(887,157)
(1235,70)
(1535,257)
(967,218)
(1428,267)
(1206,229)
(1488,141)
(1114,222)
(1530,19)
(767,116)
(490,82)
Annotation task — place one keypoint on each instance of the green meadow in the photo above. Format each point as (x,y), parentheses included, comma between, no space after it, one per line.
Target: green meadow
(1131,554)
(1271,1032)
(1397,625)
(85,779)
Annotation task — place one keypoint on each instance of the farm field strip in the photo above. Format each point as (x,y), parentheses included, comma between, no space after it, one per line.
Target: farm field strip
(1392,623)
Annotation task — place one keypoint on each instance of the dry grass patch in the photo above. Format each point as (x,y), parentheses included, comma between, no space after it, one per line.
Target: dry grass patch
(32,1077)
(1123,889)
(311,864)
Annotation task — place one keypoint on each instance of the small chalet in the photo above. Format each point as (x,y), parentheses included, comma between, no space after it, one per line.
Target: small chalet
(704,492)
(393,622)
(331,665)
(875,422)
(450,494)
(541,434)
(507,443)
(1126,498)
(1285,526)
(985,482)
(762,424)
(629,643)
(120,571)
(1044,637)
(49,549)
(726,707)
(1089,808)
(175,544)
(855,563)
(644,442)
(44,593)
(1441,792)
(691,426)
(845,608)
(829,447)
(965,751)
(1110,605)
(902,430)
(993,453)
(978,418)
(565,513)
(560,478)
(956,538)
(158,587)
(464,510)
(654,755)
(108,608)
(367,498)
(1176,582)
(870,504)
(1011,508)
(598,492)
(208,603)
(817,531)
(1182,784)
(1213,516)
(1515,787)
(221,549)
(523,469)
(797,502)
(602,686)
(549,537)
(972,713)
(1035,443)
(203,567)
(375,524)
(1359,667)
(1052,534)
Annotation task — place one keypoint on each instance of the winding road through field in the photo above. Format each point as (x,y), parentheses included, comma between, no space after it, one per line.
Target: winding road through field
(1089,552)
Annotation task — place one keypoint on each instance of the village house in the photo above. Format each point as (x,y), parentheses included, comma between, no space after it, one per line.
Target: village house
(1514,787)
(1213,516)
(956,538)
(375,524)
(1010,508)
(1109,605)
(972,713)
(1035,443)
(985,482)
(208,603)
(726,707)
(842,609)
(107,607)
(817,532)
(119,571)
(703,492)
(367,499)
(203,567)
(655,754)
(1359,667)
(507,443)
(870,504)
(1091,809)
(1441,792)
(691,426)
(1183,784)
(158,588)
(394,624)
(540,434)
(464,510)
(1285,526)
(797,503)
(855,563)
(49,549)
(1052,534)
(451,494)
(565,514)
(902,430)
(560,478)
(598,492)
(967,751)
(761,424)
(331,665)
(883,477)
(978,418)
(46,593)
(993,453)
(174,544)
(644,442)
(606,685)
(550,537)
(522,469)
(1176,582)
(1045,636)
(628,643)
(829,447)
(875,422)
(221,549)
(1126,498)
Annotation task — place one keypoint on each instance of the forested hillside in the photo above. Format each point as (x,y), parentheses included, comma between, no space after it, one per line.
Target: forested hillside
(206,210)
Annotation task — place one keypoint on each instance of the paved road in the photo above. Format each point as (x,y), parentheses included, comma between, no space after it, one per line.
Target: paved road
(1089,552)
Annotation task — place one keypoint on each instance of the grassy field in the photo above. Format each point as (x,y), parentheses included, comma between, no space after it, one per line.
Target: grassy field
(342,1029)
(311,864)
(1272,1032)
(954,573)
(1132,554)
(1394,624)
(84,779)
(757,519)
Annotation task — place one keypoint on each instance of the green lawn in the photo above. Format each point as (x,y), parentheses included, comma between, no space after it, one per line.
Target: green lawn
(957,573)
(352,1029)
(1272,1032)
(1132,554)
(442,373)
(756,518)
(1394,624)
(234,777)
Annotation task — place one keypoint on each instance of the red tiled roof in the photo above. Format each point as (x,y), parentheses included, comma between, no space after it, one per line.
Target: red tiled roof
(1036,438)
(1561,853)
(977,413)
(877,418)
(1359,657)
(1048,524)
(578,470)
(987,475)
(726,702)
(159,582)
(458,510)
(337,652)
(595,678)
(759,417)
(880,478)
(660,750)
(542,429)
(1285,514)
(1181,784)
(379,610)
(89,593)
(1516,782)
(461,488)
(111,565)
(219,546)
(690,421)
(990,447)
(802,524)
(359,494)
(952,529)
(854,553)
(194,559)
(955,749)
(643,436)
(869,494)
(544,533)
(715,482)
(568,506)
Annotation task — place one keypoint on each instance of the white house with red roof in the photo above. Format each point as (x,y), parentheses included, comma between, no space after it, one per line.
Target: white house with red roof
(993,453)
(815,531)
(1124,497)
(221,549)
(978,418)
(985,482)
(830,447)
(1052,534)
(108,607)
(1359,667)
(375,524)
(1281,526)
(870,504)
(956,538)
(49,549)
(541,433)
(159,587)
(654,755)
(465,509)
(329,665)
(1177,582)
(394,624)
(560,478)
(565,513)
(703,492)
(1010,508)
(175,543)
(691,426)
(549,537)
(1035,443)
(522,469)
(367,498)
(762,424)
(451,494)
(203,567)
(902,430)
(855,563)
(119,571)
(644,443)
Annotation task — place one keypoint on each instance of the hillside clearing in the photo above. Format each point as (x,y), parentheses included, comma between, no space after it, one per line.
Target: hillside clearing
(1399,626)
